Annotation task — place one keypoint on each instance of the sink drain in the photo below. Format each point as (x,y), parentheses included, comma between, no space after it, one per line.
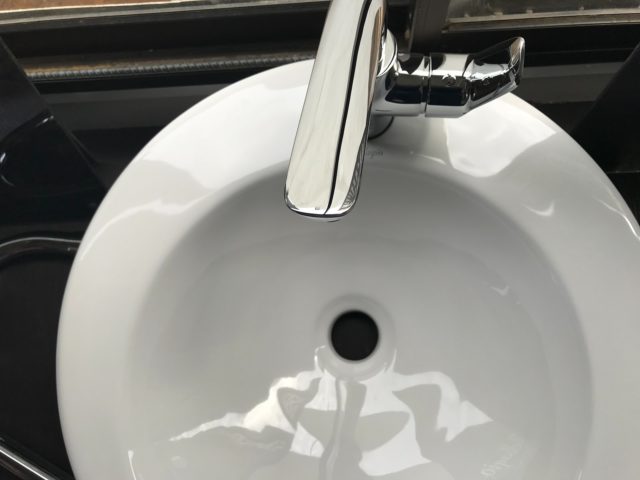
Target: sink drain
(354,335)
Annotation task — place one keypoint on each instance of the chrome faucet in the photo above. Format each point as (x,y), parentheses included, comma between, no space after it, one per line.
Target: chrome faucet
(360,82)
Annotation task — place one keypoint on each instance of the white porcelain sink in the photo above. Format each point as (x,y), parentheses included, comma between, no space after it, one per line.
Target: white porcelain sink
(499,264)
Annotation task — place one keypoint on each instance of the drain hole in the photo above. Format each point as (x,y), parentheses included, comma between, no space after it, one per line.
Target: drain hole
(354,335)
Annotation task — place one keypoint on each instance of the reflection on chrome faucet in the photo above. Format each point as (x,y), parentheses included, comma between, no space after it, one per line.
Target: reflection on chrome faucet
(391,425)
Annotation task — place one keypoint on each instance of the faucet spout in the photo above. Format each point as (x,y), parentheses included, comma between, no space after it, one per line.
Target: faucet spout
(326,162)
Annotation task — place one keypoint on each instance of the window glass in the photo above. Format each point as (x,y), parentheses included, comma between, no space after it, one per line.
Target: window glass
(14,5)
(17,5)
(497,8)
(459,10)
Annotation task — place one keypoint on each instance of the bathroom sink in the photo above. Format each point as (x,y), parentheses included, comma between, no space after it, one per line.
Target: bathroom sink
(486,281)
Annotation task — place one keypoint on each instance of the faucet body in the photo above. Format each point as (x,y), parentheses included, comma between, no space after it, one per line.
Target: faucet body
(358,73)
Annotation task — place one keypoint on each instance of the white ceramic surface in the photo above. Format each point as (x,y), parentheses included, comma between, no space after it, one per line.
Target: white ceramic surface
(501,267)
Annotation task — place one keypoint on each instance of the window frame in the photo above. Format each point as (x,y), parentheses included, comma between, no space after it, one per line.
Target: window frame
(242,39)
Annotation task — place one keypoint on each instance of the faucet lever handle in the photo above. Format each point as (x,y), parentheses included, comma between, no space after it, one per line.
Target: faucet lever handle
(459,83)
(327,156)
(495,71)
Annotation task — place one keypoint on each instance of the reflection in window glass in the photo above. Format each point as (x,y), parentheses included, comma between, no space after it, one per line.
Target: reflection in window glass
(458,9)
(16,5)
(13,5)
(480,8)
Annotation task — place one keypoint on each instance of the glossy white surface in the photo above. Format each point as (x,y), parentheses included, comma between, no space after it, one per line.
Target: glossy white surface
(500,264)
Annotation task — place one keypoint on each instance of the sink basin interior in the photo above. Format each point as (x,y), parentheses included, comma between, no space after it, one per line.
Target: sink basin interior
(479,370)
(497,323)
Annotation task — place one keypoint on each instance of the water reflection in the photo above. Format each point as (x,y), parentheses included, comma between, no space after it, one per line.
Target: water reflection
(389,425)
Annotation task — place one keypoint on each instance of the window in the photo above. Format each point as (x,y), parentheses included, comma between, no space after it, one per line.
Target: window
(22,5)
(476,12)
(460,11)
(479,8)
(13,5)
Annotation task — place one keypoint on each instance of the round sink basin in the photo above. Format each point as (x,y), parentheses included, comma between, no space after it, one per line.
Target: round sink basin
(474,317)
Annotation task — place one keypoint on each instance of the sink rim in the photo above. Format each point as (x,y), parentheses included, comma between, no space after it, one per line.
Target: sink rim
(571,259)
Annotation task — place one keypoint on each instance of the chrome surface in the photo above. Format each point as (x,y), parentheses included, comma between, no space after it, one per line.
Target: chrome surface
(359,73)
(325,165)
(20,467)
(447,85)
(460,83)
(404,89)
